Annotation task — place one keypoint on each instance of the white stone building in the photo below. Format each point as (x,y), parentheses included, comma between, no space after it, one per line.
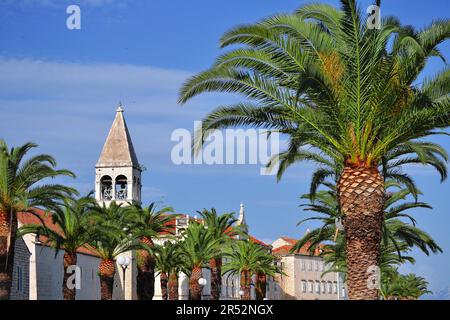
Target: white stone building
(38,269)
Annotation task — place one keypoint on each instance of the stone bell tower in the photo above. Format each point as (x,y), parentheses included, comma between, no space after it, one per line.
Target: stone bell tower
(118,173)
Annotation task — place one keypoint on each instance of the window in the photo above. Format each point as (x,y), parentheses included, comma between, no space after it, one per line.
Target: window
(310,266)
(330,287)
(311,286)
(303,266)
(19,279)
(121,188)
(324,287)
(317,287)
(317,265)
(303,286)
(335,287)
(343,293)
(106,188)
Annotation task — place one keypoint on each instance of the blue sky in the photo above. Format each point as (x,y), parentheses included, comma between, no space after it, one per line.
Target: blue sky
(60,88)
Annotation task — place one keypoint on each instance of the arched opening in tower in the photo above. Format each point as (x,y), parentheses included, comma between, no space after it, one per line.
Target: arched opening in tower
(106,188)
(121,187)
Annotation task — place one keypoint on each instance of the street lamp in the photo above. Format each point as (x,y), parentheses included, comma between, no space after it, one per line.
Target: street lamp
(202,282)
(123,262)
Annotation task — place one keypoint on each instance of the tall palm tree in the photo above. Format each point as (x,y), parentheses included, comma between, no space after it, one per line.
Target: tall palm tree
(340,90)
(221,227)
(112,236)
(197,248)
(69,233)
(151,222)
(167,264)
(246,259)
(22,189)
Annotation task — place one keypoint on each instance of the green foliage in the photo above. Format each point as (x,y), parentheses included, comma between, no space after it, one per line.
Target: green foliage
(198,246)
(72,221)
(247,256)
(168,257)
(221,227)
(112,231)
(150,221)
(398,286)
(338,90)
(22,181)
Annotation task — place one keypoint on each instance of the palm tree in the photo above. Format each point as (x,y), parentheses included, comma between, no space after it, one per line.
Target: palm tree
(403,287)
(167,263)
(197,248)
(394,230)
(338,90)
(70,232)
(22,190)
(113,236)
(221,227)
(246,259)
(152,223)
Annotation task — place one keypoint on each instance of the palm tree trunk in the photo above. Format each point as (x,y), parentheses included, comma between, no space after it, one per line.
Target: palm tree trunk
(194,287)
(260,287)
(106,269)
(216,277)
(246,285)
(8,231)
(173,285)
(69,259)
(361,197)
(163,279)
(145,286)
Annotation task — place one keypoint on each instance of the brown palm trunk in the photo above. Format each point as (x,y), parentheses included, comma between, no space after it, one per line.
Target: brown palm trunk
(195,289)
(8,231)
(163,279)
(106,270)
(145,286)
(361,197)
(173,285)
(216,277)
(69,259)
(260,287)
(246,285)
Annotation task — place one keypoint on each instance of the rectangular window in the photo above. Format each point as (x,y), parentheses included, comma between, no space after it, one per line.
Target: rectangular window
(330,288)
(303,265)
(310,266)
(317,265)
(311,287)
(335,287)
(324,287)
(303,286)
(19,279)
(317,287)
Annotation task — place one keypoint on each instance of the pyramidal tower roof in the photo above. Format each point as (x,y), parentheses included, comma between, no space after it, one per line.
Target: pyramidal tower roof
(118,149)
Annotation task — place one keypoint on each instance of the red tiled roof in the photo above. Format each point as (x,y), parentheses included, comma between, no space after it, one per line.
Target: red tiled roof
(254,240)
(289,240)
(286,249)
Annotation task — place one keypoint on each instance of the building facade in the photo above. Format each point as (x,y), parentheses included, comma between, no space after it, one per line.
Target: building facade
(305,274)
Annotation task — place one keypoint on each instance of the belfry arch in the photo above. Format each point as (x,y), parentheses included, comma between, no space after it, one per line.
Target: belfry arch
(121,188)
(106,188)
